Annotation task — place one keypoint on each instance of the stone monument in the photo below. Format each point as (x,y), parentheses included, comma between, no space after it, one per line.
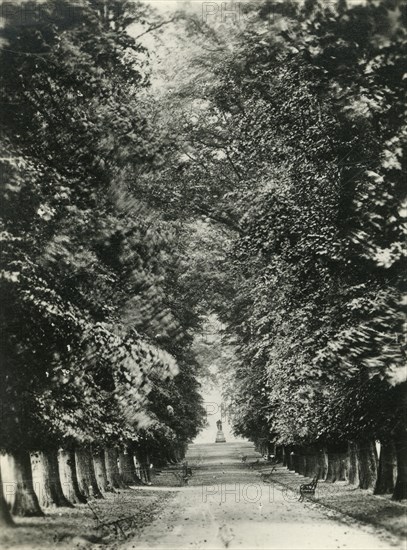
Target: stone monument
(220,437)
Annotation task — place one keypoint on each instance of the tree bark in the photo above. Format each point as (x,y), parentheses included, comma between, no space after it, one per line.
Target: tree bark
(112,469)
(69,478)
(26,501)
(296,462)
(47,484)
(367,456)
(337,466)
(387,469)
(302,464)
(353,474)
(143,460)
(86,473)
(7,474)
(5,517)
(279,453)
(322,466)
(127,468)
(100,471)
(343,467)
(333,468)
(290,460)
(311,463)
(400,489)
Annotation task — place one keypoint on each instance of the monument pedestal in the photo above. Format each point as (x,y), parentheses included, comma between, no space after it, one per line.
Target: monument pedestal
(220,437)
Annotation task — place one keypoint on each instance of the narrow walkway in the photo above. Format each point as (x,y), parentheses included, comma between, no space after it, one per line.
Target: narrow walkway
(228,506)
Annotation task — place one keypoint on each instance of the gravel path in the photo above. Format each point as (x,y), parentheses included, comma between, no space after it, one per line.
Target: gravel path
(226,505)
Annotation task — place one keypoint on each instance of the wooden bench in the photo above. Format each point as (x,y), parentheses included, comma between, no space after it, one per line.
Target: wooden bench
(308,489)
(117,525)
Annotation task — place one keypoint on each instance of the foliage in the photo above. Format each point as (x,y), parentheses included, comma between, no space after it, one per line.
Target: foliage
(86,265)
(298,153)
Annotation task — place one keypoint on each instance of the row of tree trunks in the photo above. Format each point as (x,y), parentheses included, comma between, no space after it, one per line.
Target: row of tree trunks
(86,473)
(359,465)
(127,468)
(46,478)
(310,462)
(112,469)
(69,478)
(337,467)
(60,479)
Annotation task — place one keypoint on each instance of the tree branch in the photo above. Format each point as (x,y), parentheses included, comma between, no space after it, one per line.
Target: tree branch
(155,27)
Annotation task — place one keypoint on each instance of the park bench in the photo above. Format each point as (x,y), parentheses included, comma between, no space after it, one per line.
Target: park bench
(308,489)
(118,526)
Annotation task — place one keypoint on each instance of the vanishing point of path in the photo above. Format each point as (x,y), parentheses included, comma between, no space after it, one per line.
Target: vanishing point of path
(226,505)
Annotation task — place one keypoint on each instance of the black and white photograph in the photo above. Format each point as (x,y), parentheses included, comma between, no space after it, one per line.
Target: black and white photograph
(203,278)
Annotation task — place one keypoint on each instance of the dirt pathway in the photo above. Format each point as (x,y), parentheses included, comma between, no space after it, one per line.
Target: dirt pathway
(227,506)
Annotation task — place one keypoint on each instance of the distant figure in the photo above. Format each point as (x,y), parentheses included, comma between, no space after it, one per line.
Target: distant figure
(219,425)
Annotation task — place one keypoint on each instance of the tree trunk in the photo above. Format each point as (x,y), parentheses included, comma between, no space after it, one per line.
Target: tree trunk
(333,467)
(311,463)
(322,466)
(343,467)
(387,470)
(400,490)
(26,501)
(367,456)
(127,468)
(302,464)
(143,460)
(133,457)
(86,473)
(353,474)
(112,469)
(69,479)
(178,455)
(296,462)
(100,471)
(7,474)
(5,516)
(284,455)
(290,460)
(47,484)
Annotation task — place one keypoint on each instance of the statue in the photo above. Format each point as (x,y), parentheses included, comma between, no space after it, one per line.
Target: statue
(220,437)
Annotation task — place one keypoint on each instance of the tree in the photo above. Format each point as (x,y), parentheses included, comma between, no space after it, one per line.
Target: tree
(85,264)
(279,151)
